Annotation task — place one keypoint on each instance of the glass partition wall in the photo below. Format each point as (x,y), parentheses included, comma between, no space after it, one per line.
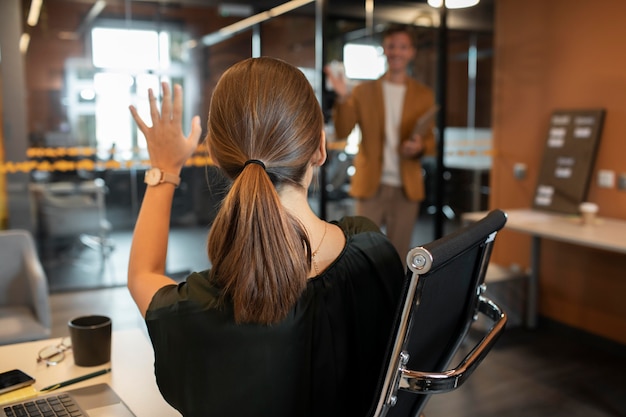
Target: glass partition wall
(467,132)
(87,60)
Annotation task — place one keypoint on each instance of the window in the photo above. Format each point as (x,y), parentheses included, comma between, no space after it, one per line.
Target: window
(363,61)
(142,49)
(124,64)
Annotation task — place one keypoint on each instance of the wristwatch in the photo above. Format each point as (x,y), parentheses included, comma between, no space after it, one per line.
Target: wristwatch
(156,176)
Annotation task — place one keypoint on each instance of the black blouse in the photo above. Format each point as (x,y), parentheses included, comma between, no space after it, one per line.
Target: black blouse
(323,360)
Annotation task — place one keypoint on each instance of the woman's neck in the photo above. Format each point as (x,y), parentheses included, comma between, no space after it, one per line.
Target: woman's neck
(295,200)
(327,240)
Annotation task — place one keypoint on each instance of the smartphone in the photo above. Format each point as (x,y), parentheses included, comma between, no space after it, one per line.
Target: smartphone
(15,379)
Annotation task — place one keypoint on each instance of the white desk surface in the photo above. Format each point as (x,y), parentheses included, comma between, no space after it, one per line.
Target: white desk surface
(606,234)
(132,376)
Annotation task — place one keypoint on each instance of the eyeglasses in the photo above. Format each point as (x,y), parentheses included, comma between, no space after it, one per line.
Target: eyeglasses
(54,354)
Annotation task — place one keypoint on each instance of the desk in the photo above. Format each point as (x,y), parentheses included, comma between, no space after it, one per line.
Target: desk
(606,234)
(132,376)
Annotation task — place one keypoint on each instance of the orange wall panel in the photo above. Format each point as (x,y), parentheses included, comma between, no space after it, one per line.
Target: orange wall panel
(561,54)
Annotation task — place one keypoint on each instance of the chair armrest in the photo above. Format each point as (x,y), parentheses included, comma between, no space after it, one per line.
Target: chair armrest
(439,382)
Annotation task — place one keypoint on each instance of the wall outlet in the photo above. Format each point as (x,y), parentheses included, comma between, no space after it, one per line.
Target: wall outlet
(621,181)
(519,170)
(606,178)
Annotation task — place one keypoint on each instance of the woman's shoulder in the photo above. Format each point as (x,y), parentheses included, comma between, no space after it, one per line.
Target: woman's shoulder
(362,234)
(352,225)
(366,248)
(196,292)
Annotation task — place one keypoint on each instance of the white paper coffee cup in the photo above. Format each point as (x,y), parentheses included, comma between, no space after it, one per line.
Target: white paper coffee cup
(588,212)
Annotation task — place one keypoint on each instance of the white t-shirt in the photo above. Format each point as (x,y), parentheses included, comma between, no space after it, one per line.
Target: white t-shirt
(393,96)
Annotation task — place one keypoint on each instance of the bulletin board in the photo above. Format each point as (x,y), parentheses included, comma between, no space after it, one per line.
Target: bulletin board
(568,158)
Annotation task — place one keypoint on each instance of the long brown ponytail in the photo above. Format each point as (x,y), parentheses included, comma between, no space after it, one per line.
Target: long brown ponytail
(262,109)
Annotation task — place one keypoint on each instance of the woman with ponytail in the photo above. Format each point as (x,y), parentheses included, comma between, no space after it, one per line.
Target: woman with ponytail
(294,314)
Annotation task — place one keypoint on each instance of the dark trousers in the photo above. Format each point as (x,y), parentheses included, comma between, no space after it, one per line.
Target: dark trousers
(392,212)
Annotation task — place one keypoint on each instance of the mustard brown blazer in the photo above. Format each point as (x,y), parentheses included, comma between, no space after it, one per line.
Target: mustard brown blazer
(365,107)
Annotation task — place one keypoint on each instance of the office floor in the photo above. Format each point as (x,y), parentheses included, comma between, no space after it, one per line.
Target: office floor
(70,265)
(551,371)
(78,267)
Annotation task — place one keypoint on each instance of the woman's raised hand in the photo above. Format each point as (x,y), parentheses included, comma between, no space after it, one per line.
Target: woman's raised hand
(168,146)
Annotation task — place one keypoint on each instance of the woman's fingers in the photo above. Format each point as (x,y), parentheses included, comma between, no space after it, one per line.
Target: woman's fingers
(166,104)
(177,115)
(196,131)
(140,123)
(167,123)
(169,111)
(154,111)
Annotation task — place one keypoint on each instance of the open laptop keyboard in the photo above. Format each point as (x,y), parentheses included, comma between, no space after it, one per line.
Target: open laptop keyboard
(59,405)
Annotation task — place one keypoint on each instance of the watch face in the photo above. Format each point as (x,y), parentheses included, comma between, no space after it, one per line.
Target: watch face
(153,176)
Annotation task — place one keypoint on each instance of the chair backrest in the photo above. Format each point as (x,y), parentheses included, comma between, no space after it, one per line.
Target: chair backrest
(68,209)
(22,278)
(442,297)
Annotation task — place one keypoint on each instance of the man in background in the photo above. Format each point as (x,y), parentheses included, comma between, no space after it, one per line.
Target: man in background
(388,182)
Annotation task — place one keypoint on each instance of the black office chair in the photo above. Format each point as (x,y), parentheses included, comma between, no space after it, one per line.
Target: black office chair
(443,296)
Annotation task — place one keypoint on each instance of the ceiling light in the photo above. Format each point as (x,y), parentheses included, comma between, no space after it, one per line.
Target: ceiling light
(24,41)
(33,13)
(453,4)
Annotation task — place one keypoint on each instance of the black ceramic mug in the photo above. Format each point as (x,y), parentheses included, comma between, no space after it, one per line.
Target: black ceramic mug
(91,340)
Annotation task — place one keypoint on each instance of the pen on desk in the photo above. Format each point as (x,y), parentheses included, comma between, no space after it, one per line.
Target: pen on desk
(75,380)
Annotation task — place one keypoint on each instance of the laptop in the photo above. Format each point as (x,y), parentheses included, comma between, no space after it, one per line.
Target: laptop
(93,401)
